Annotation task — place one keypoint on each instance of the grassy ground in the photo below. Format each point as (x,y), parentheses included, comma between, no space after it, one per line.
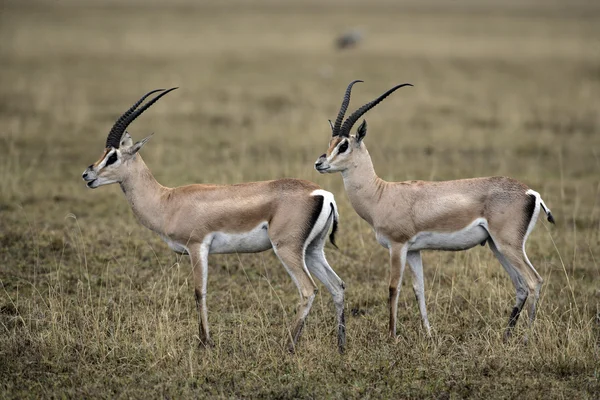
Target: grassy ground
(92,304)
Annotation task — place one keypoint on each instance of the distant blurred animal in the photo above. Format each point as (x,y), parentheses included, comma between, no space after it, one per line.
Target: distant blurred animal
(408,217)
(349,39)
(291,216)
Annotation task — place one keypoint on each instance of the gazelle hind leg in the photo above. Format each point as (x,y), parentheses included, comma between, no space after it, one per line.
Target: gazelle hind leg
(318,265)
(534,293)
(514,270)
(416,266)
(199,258)
(514,251)
(293,260)
(535,280)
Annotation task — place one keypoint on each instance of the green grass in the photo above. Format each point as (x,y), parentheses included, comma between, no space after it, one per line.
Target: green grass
(94,305)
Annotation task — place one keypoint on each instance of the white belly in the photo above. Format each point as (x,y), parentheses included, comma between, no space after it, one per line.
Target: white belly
(253,241)
(382,240)
(472,235)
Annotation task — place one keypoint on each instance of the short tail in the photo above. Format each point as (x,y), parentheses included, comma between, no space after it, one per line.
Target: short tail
(547,211)
(335,224)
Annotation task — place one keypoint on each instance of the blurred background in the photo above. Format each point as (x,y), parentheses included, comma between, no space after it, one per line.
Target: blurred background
(500,88)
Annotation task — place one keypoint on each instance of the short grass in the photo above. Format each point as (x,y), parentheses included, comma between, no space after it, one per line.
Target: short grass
(94,305)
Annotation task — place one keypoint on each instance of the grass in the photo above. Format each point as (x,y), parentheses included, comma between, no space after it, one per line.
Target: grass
(94,305)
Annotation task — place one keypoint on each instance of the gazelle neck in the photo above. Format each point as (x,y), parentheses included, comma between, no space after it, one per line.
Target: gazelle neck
(363,186)
(144,194)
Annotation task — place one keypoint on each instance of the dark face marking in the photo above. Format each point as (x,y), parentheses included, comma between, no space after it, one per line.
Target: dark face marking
(343,147)
(333,144)
(112,159)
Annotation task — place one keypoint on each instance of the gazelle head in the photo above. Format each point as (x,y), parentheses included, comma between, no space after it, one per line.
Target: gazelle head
(120,149)
(344,149)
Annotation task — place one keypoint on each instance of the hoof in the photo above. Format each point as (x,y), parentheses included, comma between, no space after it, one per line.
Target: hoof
(341,339)
(206,343)
(291,349)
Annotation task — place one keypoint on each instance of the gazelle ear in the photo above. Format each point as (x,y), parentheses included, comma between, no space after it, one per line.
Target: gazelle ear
(361,132)
(126,140)
(138,145)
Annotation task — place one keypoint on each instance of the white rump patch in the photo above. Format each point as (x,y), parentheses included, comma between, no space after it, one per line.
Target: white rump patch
(322,220)
(536,212)
(472,235)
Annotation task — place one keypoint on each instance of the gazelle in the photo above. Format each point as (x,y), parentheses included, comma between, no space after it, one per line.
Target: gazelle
(291,216)
(408,217)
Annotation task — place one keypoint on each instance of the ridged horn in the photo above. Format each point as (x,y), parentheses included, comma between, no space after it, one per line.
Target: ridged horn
(118,129)
(338,121)
(351,120)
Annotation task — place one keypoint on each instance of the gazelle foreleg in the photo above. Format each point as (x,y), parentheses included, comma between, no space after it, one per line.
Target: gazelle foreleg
(199,256)
(416,266)
(397,265)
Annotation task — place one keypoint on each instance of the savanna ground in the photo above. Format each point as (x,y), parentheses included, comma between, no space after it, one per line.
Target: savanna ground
(94,305)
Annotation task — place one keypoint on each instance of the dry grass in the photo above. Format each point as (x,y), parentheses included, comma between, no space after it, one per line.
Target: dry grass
(92,304)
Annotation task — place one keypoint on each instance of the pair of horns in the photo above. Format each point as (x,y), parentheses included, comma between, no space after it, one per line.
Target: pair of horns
(343,129)
(118,129)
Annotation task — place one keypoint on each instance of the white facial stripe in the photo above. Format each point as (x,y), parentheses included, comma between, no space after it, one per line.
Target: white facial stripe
(103,163)
(336,151)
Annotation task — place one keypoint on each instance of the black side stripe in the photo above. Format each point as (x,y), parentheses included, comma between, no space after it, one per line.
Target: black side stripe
(335,227)
(314,216)
(529,209)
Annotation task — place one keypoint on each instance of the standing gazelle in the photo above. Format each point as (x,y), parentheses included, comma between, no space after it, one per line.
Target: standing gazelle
(451,215)
(291,216)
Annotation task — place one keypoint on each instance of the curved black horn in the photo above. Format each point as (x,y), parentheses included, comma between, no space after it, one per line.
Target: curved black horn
(139,111)
(338,121)
(351,120)
(114,136)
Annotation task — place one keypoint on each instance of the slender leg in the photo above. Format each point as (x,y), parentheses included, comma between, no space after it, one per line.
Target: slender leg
(416,265)
(199,257)
(397,265)
(318,265)
(293,261)
(535,288)
(510,263)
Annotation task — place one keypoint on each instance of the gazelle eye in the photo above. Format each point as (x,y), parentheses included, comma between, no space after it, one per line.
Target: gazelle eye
(343,147)
(112,159)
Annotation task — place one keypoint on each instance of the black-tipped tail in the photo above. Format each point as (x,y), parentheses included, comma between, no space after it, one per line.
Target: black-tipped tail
(548,213)
(334,228)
